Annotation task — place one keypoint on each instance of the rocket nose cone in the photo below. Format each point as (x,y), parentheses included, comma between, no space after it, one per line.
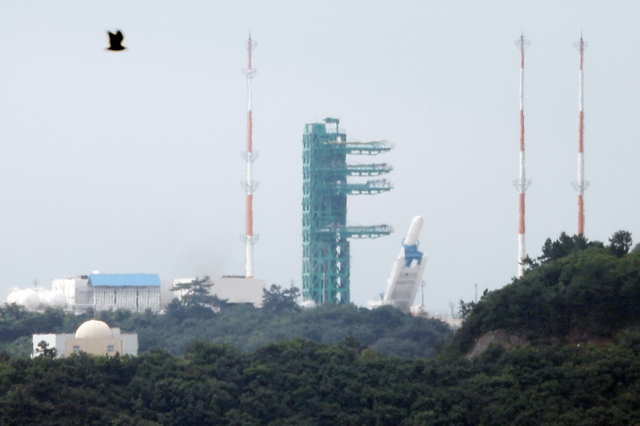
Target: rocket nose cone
(414,231)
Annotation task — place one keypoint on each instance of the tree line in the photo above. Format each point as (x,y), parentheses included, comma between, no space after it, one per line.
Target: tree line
(244,327)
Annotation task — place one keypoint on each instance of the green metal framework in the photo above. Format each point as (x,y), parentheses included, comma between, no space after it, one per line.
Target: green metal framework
(325,234)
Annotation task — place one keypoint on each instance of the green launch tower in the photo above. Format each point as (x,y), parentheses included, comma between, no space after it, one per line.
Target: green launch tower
(325,234)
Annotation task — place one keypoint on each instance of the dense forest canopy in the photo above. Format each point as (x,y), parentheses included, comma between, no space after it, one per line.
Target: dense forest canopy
(386,330)
(304,383)
(561,375)
(575,289)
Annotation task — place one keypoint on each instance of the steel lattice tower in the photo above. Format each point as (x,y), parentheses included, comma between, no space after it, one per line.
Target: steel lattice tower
(249,155)
(581,184)
(325,234)
(522,183)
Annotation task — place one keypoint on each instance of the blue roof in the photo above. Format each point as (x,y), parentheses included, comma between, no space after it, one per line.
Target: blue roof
(124,280)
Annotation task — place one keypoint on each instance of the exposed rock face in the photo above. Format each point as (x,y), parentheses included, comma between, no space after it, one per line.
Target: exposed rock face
(499,337)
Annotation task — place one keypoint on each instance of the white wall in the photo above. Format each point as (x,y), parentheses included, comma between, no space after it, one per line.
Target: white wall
(239,290)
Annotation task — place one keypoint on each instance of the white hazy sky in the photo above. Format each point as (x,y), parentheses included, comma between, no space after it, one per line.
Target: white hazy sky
(130,162)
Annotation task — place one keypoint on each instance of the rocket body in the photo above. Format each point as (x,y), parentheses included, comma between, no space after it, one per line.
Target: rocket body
(407,270)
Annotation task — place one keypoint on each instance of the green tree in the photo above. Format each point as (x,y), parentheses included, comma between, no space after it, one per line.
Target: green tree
(277,300)
(44,350)
(196,294)
(620,243)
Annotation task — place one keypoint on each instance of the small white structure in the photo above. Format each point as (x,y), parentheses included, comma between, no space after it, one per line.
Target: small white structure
(235,289)
(239,290)
(93,337)
(76,290)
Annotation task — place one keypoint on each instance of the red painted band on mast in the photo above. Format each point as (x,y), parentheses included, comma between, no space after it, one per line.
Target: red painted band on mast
(249,215)
(580,215)
(581,132)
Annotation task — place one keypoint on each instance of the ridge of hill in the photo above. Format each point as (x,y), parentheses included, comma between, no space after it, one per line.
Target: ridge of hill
(577,291)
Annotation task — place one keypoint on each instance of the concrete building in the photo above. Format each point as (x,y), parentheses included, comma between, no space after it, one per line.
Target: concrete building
(93,337)
(235,289)
(77,291)
(239,290)
(132,292)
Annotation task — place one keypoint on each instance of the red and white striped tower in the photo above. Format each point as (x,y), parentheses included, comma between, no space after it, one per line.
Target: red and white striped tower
(581,184)
(522,183)
(250,186)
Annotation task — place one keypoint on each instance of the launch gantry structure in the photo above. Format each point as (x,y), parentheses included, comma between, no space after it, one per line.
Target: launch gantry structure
(325,234)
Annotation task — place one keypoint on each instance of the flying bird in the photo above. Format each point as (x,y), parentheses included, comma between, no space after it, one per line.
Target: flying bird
(115,41)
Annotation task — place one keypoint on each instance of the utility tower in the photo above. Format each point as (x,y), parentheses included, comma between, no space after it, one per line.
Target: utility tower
(521,183)
(249,185)
(581,184)
(325,234)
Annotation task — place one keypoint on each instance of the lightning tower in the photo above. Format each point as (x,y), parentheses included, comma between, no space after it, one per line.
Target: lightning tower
(521,183)
(581,184)
(249,155)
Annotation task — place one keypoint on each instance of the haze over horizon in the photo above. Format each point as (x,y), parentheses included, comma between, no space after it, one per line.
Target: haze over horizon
(129,162)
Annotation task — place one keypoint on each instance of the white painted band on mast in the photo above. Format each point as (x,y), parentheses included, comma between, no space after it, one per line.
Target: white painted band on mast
(522,253)
(580,187)
(581,88)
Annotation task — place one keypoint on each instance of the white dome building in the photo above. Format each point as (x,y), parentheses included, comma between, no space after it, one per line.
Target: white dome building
(93,329)
(93,337)
(12,297)
(29,299)
(53,299)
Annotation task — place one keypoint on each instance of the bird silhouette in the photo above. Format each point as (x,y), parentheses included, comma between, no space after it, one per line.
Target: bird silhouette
(115,41)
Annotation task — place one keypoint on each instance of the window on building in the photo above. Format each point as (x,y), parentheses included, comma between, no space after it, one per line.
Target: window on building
(110,348)
(76,349)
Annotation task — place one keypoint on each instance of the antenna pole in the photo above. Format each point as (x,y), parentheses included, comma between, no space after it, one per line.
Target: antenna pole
(521,183)
(581,184)
(250,186)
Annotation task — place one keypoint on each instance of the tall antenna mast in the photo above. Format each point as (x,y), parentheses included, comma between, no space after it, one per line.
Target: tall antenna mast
(581,184)
(250,186)
(521,183)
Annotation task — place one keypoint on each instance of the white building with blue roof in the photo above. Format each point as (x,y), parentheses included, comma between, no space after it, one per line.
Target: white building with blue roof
(133,292)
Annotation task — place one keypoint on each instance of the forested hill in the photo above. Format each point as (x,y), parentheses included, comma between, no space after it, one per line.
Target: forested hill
(386,330)
(576,307)
(576,291)
(304,383)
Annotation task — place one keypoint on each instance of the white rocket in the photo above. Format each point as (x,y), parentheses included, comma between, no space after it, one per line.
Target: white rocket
(406,274)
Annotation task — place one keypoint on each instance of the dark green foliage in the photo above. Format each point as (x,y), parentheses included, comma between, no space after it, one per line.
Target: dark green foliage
(387,330)
(581,290)
(564,246)
(302,382)
(620,243)
(44,350)
(305,383)
(277,300)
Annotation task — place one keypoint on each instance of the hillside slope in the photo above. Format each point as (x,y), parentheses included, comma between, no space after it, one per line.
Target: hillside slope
(588,293)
